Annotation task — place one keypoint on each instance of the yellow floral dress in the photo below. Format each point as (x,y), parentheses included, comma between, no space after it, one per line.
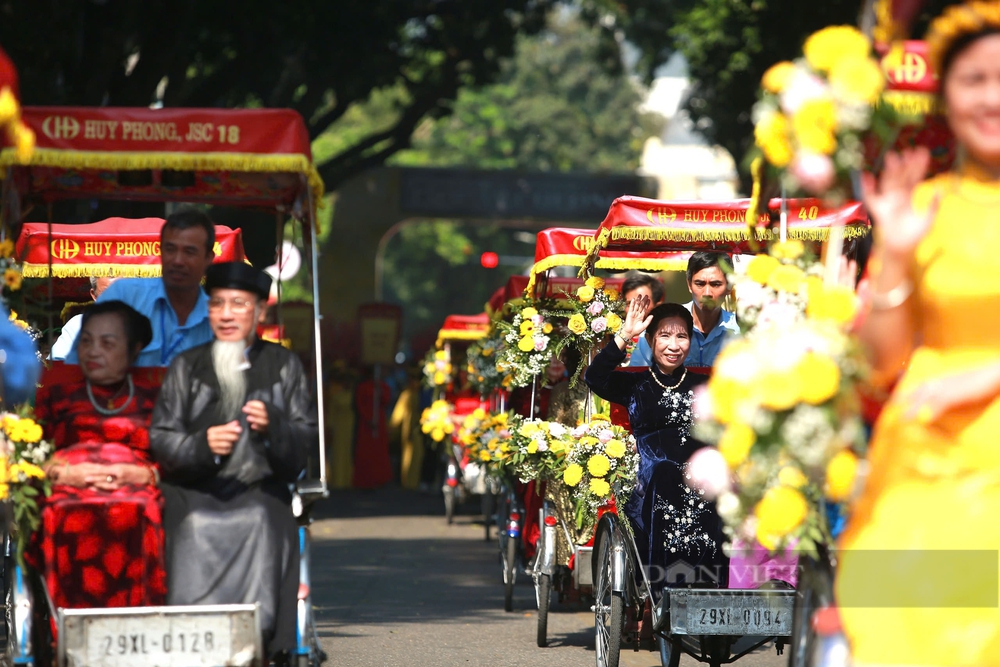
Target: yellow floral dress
(918,574)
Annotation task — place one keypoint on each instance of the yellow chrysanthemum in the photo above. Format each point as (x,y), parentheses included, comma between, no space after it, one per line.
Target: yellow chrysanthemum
(614,322)
(493,444)
(577,324)
(858,80)
(780,511)
(585,293)
(598,465)
(440,378)
(30,432)
(726,395)
(6,248)
(760,268)
(777,77)
(557,446)
(546,328)
(441,355)
(12,279)
(789,250)
(819,377)
(778,390)
(815,125)
(484,455)
(615,449)
(735,444)
(840,474)
(3,491)
(526,344)
(487,352)
(532,447)
(598,417)
(529,429)
(573,474)
(792,477)
(437,433)
(611,293)
(528,312)
(771,134)
(835,303)
(588,441)
(31,470)
(595,282)
(599,487)
(827,47)
(787,278)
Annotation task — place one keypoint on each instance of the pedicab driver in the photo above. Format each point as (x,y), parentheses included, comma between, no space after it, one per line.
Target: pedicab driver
(231,430)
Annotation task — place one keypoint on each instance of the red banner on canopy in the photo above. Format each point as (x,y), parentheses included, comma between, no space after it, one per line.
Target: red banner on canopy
(113,247)
(464,327)
(647,225)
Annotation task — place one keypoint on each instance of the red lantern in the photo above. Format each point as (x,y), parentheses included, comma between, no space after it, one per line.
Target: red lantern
(489,260)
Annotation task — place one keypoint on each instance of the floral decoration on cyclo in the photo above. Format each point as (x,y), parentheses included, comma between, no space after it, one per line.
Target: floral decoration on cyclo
(782,407)
(595,312)
(529,344)
(602,464)
(437,368)
(437,421)
(814,114)
(482,435)
(535,450)
(22,479)
(484,378)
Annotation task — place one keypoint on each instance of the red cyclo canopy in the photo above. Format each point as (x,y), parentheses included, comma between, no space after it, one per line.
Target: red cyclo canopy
(113,247)
(464,327)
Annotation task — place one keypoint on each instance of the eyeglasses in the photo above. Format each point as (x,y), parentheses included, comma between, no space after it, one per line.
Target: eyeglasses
(237,306)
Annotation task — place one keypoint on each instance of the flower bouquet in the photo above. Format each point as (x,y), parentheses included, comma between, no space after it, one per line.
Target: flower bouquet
(782,408)
(482,364)
(535,450)
(436,421)
(595,311)
(437,368)
(528,346)
(813,113)
(21,476)
(781,288)
(602,460)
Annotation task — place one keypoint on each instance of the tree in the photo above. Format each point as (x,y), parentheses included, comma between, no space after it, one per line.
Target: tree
(319,57)
(557,106)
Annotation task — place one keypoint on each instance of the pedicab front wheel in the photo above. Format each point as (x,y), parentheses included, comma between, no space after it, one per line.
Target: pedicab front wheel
(609,612)
(509,572)
(543,591)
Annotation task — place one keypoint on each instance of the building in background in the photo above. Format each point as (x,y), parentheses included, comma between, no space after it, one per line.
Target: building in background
(681,160)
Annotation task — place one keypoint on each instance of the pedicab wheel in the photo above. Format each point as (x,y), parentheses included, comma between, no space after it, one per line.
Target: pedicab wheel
(489,506)
(509,573)
(670,651)
(449,504)
(543,592)
(609,614)
(814,590)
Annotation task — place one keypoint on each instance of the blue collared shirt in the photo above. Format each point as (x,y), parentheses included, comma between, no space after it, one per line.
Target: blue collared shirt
(19,364)
(704,348)
(149,297)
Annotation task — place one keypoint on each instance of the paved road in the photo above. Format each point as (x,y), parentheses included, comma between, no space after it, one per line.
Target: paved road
(395,586)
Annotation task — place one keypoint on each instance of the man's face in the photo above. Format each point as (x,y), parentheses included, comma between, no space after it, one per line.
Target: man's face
(709,288)
(102,284)
(234,314)
(642,290)
(184,254)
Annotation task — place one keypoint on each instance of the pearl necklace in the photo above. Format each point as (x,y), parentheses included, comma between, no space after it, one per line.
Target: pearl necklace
(109,411)
(667,389)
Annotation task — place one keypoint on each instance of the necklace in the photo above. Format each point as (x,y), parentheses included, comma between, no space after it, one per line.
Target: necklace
(667,389)
(111,410)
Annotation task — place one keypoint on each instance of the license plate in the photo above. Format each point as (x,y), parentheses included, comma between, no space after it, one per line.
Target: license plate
(160,639)
(732,613)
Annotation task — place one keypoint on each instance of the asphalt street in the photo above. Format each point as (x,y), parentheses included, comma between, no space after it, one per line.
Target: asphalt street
(394,585)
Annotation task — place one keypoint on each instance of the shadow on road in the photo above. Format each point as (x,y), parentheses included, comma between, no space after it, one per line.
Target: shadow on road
(389,501)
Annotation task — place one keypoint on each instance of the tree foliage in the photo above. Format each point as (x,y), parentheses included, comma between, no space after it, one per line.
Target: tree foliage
(319,57)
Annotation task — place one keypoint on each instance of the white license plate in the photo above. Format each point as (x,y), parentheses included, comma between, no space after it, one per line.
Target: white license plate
(158,641)
(699,613)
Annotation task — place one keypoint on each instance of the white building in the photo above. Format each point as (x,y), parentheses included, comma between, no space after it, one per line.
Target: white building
(683,163)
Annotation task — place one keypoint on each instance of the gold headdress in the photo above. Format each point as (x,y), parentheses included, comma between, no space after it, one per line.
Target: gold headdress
(957,21)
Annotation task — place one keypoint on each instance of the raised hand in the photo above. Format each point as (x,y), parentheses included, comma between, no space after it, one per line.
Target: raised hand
(636,316)
(889,199)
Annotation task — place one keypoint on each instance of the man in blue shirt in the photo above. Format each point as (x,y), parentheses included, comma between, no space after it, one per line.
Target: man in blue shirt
(706,280)
(175,304)
(19,365)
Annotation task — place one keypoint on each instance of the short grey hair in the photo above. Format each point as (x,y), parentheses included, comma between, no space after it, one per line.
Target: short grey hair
(93,283)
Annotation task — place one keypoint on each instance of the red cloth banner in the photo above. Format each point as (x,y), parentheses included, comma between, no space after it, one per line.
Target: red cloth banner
(112,247)
(464,327)
(123,129)
(906,67)
(566,242)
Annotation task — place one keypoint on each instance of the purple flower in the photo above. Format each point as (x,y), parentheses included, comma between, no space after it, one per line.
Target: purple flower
(595,308)
(599,324)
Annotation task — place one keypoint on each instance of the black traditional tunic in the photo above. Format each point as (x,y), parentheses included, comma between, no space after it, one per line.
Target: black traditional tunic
(231,535)
(677,531)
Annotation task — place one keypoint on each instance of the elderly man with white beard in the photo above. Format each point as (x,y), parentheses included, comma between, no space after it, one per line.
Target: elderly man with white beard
(231,430)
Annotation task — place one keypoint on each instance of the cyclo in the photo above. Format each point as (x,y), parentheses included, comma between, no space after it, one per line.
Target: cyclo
(702,622)
(251,158)
(564,551)
(463,478)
